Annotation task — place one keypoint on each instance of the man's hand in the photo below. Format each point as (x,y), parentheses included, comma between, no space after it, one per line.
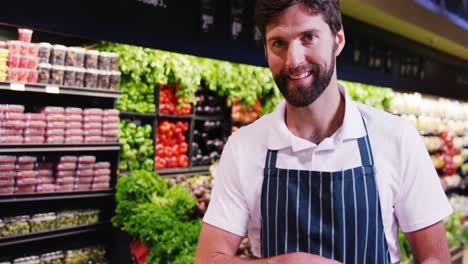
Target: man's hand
(430,245)
(219,246)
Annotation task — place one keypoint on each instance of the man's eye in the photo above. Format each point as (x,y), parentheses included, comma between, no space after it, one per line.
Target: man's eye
(309,37)
(278,43)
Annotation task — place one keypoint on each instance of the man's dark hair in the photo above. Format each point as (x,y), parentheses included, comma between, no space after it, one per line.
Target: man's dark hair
(267,10)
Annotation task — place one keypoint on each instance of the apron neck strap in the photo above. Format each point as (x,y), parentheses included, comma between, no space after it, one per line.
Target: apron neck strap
(365,148)
(270,161)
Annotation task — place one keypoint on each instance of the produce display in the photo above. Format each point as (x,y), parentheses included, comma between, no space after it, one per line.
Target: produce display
(25,174)
(375,96)
(57,65)
(58,125)
(169,103)
(88,255)
(137,150)
(208,142)
(245,114)
(209,103)
(171,145)
(158,215)
(18,225)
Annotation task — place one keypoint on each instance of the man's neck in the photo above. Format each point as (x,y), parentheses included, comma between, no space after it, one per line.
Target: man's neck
(320,119)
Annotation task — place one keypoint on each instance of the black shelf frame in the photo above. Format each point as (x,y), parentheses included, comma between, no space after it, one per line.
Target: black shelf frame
(184,171)
(37,197)
(79,91)
(22,148)
(45,235)
(138,115)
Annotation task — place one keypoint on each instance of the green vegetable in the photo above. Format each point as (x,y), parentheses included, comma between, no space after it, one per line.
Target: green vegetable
(137,147)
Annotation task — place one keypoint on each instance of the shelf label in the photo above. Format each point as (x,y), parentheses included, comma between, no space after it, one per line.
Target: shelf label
(52,89)
(17,87)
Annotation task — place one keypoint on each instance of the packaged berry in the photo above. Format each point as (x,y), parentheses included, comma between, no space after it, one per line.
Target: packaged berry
(29,132)
(26,159)
(74,140)
(36,124)
(91,59)
(82,187)
(102,172)
(53,110)
(74,57)
(90,78)
(74,132)
(114,80)
(32,62)
(84,173)
(109,140)
(23,75)
(44,166)
(14,61)
(100,186)
(44,173)
(64,187)
(104,61)
(57,56)
(25,167)
(44,73)
(56,125)
(14,125)
(65,174)
(73,125)
(6,190)
(45,180)
(74,118)
(85,166)
(92,112)
(114,61)
(3,50)
(65,180)
(92,126)
(69,76)
(55,118)
(68,159)
(7,183)
(24,49)
(111,119)
(33,50)
(34,117)
(45,188)
(56,74)
(44,52)
(3,76)
(79,77)
(101,179)
(73,111)
(110,133)
(7,167)
(87,159)
(103,80)
(55,140)
(25,189)
(24,35)
(66,166)
(11,139)
(84,180)
(55,132)
(33,76)
(23,64)
(8,175)
(11,108)
(25,174)
(14,116)
(92,133)
(24,182)
(92,119)
(8,132)
(110,112)
(7,159)
(34,140)
(14,47)
(93,140)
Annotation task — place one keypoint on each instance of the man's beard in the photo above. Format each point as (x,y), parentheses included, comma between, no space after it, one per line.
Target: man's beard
(304,95)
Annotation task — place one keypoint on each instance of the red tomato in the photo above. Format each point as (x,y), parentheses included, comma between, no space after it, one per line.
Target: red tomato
(181,138)
(160,163)
(160,150)
(168,151)
(172,162)
(183,161)
(183,148)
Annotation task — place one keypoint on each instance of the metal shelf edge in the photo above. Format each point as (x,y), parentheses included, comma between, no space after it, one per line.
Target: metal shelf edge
(36,197)
(6,148)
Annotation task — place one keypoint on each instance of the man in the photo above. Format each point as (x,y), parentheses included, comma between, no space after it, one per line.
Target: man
(322,179)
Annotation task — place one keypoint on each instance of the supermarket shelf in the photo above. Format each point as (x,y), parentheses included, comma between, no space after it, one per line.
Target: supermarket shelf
(36,197)
(64,232)
(16,148)
(41,88)
(204,117)
(240,124)
(138,115)
(184,171)
(429,133)
(182,117)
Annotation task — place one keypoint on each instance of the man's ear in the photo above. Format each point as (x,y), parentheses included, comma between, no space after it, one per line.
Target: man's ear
(340,41)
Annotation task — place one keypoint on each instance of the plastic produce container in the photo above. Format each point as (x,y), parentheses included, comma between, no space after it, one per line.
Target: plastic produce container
(44,173)
(63,187)
(56,74)
(23,75)
(45,180)
(56,125)
(12,108)
(84,173)
(114,80)
(100,186)
(44,73)
(66,166)
(7,159)
(103,80)
(31,132)
(68,159)
(111,120)
(24,34)
(25,174)
(92,126)
(69,76)
(104,61)
(88,217)
(102,165)
(87,159)
(26,182)
(73,125)
(44,165)
(55,118)
(84,180)
(53,258)
(26,159)
(114,61)
(36,124)
(33,50)
(34,140)
(74,140)
(25,167)
(101,179)
(26,189)
(34,117)
(85,166)
(110,133)
(14,46)
(92,133)
(72,57)
(91,59)
(8,132)
(90,78)
(33,76)
(55,140)
(73,111)
(45,188)
(14,60)
(53,110)
(67,219)
(32,62)
(57,56)
(93,140)
(4,51)
(82,187)
(65,180)
(6,190)
(55,132)
(7,183)
(93,112)
(102,172)
(92,119)
(13,226)
(43,222)
(14,124)
(79,77)
(7,167)
(11,140)
(44,52)
(65,174)
(13,74)
(24,48)
(3,76)
(74,118)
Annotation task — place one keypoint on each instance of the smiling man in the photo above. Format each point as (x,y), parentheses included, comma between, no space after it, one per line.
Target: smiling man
(322,179)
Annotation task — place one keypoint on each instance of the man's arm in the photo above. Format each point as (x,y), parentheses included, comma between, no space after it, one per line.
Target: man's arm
(429,244)
(217,246)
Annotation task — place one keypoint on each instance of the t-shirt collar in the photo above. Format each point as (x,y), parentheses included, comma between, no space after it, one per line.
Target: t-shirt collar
(281,137)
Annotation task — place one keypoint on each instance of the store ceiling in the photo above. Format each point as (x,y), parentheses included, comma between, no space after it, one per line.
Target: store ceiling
(407,18)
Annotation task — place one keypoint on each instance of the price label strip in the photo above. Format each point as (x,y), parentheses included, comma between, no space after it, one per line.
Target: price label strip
(52,89)
(17,87)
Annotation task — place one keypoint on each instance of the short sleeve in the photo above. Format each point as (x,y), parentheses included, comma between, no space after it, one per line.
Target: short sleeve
(228,209)
(421,201)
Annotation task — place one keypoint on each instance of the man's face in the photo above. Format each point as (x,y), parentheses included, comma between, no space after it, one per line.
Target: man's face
(301,52)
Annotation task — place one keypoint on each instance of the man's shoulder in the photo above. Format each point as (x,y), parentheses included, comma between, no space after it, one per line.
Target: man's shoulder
(254,134)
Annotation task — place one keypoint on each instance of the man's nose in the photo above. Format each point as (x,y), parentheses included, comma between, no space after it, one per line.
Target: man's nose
(295,55)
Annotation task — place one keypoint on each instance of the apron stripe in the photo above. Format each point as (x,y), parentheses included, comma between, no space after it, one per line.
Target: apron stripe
(367,217)
(332,218)
(267,210)
(276,218)
(356,236)
(286,216)
(297,211)
(321,214)
(344,215)
(308,216)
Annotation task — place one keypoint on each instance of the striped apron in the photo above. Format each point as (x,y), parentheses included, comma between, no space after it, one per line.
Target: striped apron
(336,215)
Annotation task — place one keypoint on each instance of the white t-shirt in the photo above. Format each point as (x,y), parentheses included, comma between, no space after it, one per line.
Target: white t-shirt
(411,195)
